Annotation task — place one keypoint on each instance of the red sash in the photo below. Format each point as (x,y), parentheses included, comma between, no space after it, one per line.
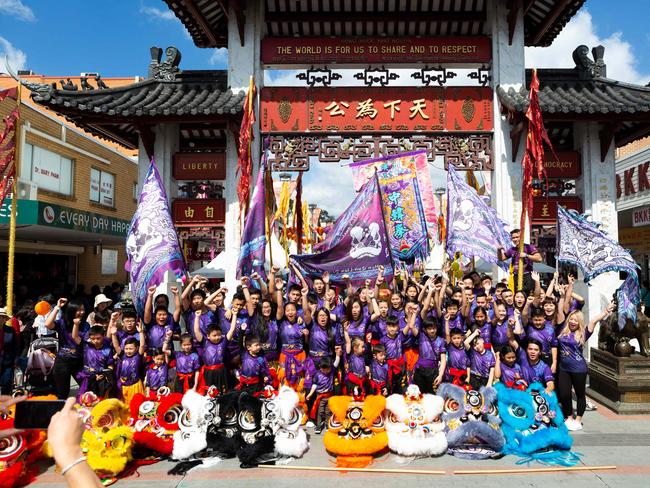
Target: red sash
(458,376)
(202,388)
(185,378)
(517,385)
(247,381)
(356,380)
(395,367)
(314,408)
(377,386)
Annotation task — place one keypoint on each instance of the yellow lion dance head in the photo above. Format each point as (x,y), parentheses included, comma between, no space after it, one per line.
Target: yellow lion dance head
(355,431)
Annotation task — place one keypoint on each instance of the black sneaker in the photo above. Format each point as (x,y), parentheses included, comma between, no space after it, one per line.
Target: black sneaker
(318,429)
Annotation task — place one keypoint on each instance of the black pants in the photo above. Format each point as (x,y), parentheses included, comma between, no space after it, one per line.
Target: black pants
(62,371)
(577,381)
(424,378)
(477,381)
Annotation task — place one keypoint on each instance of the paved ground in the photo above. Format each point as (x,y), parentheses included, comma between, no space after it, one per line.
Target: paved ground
(608,439)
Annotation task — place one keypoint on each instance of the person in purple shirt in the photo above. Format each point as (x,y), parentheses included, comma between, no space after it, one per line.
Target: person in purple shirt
(321,389)
(432,361)
(129,363)
(158,330)
(98,363)
(187,361)
(499,334)
(572,364)
(68,358)
(213,352)
(545,334)
(379,371)
(254,373)
(322,337)
(533,369)
(356,320)
(457,361)
(481,361)
(506,368)
(129,329)
(239,313)
(157,373)
(530,255)
(481,323)
(162,301)
(356,368)
(392,342)
(378,318)
(454,317)
(266,328)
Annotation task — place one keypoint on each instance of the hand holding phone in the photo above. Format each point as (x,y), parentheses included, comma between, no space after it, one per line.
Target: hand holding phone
(36,414)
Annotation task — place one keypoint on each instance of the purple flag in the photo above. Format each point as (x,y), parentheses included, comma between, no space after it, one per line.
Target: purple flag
(403,210)
(253,240)
(358,243)
(582,243)
(473,227)
(152,246)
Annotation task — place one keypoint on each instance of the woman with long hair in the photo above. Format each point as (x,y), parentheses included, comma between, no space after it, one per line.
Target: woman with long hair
(572,364)
(68,359)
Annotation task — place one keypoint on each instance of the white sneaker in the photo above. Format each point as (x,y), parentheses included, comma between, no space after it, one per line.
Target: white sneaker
(573,425)
(310,424)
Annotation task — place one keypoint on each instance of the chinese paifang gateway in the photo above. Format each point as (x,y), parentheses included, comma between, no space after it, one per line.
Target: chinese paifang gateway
(473,127)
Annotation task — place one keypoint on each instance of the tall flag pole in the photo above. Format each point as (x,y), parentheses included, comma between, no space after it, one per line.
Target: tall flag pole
(253,241)
(245,160)
(152,245)
(269,210)
(9,155)
(533,161)
(298,215)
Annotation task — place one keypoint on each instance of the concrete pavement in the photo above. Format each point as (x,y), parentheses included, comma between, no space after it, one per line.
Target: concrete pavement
(608,439)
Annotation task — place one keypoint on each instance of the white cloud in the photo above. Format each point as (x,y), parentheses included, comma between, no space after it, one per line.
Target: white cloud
(219,57)
(619,56)
(157,13)
(17,59)
(329,186)
(17,9)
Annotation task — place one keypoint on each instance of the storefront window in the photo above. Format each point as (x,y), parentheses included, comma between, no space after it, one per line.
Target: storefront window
(102,187)
(49,170)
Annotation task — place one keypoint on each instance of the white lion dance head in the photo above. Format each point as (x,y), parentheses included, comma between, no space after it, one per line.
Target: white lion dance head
(413,424)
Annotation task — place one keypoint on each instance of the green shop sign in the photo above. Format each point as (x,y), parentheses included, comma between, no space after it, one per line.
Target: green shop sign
(30,212)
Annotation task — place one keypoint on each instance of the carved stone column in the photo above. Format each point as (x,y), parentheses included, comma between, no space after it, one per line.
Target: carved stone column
(508,70)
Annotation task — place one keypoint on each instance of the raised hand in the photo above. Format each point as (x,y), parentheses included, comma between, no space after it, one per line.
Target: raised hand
(174,290)
(76,321)
(244,280)
(304,291)
(198,312)
(151,290)
(138,327)
(112,330)
(370,294)
(275,269)
(279,284)
(61,302)
(115,316)
(255,276)
(535,276)
(326,277)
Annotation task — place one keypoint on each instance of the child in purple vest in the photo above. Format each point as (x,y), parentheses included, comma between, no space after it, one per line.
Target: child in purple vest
(157,373)
(98,363)
(129,363)
(187,362)
(254,373)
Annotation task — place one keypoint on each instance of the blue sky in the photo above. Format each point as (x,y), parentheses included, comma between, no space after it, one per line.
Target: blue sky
(60,37)
(66,37)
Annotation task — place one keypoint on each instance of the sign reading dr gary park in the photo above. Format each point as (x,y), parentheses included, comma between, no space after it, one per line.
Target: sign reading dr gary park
(70,218)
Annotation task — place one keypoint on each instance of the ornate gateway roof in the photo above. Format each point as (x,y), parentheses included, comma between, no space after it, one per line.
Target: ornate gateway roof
(207,20)
(585,93)
(168,95)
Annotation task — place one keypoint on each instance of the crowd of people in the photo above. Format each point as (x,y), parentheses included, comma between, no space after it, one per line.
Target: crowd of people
(323,340)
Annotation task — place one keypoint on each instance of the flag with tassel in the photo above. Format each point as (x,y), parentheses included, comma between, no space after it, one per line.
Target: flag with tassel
(245,160)
(253,241)
(152,244)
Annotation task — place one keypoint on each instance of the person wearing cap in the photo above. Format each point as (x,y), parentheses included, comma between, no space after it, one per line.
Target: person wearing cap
(102,302)
(9,352)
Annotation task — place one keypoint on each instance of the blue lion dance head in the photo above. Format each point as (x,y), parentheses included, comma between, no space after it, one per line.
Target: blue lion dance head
(533,425)
(471,422)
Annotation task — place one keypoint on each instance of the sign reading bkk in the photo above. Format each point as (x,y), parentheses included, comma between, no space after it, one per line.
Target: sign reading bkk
(326,50)
(357,109)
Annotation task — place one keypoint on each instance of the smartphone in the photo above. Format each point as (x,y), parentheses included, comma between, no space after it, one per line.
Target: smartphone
(36,414)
